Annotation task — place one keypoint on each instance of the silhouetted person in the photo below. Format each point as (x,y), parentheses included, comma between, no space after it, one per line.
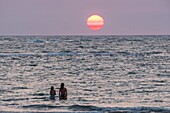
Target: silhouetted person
(62,92)
(52,93)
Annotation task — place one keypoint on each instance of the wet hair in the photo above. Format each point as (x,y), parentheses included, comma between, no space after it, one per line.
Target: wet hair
(62,86)
(52,87)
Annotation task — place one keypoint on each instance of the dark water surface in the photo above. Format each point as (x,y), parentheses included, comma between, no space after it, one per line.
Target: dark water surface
(101,73)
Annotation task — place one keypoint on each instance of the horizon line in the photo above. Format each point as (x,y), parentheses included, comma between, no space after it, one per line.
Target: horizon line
(88,35)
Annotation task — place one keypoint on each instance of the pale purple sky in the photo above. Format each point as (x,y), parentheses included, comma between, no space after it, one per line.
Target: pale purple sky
(68,17)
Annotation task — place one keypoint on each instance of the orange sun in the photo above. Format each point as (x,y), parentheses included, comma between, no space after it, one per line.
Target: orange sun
(95,22)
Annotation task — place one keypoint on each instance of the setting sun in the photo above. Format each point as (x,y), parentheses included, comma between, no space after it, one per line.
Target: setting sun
(95,22)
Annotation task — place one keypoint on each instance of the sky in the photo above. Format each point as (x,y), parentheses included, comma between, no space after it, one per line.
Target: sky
(68,17)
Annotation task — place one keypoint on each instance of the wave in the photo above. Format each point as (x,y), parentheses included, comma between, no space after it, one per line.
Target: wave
(62,53)
(95,109)
(47,53)
(37,41)
(103,109)
(16,54)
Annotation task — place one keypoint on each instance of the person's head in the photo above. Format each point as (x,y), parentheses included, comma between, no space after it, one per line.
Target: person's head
(62,85)
(52,87)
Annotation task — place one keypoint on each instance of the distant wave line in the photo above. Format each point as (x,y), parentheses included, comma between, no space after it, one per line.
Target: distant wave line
(52,54)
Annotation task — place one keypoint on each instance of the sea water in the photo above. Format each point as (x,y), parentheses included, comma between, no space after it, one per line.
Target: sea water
(101,73)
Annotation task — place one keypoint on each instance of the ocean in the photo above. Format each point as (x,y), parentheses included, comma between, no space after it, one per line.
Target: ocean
(126,74)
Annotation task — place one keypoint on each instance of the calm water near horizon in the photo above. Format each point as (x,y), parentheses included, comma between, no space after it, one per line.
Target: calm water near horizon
(101,73)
